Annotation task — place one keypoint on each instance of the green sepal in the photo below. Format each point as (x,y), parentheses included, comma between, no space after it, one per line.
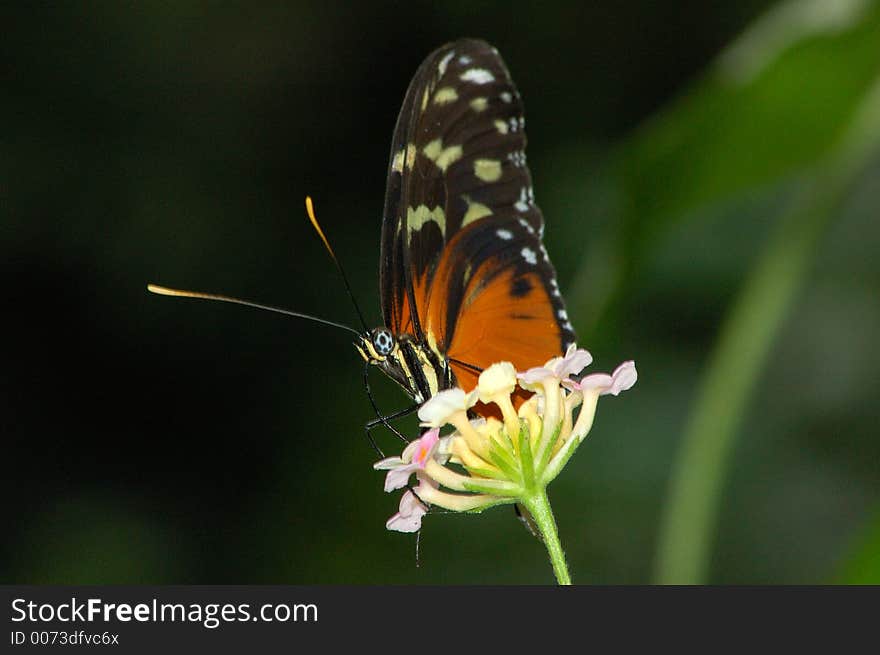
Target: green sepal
(553,468)
(527,463)
(499,488)
(494,503)
(548,451)
(503,460)
(492,474)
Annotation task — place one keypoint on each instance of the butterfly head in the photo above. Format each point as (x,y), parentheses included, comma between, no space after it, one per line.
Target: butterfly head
(413,365)
(377,345)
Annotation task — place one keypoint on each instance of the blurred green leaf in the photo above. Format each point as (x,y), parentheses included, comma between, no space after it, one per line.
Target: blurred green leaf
(747,335)
(863,565)
(772,106)
(94,541)
(732,133)
(732,372)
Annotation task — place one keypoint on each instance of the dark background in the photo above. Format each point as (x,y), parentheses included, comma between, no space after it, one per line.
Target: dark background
(152,440)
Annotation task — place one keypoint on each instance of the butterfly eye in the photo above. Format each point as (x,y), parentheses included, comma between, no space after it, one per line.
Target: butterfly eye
(383,341)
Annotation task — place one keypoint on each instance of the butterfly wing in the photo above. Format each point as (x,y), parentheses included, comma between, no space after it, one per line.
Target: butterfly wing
(463,268)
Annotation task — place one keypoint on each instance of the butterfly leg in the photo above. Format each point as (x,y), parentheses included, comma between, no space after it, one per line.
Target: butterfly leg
(526,519)
(382,419)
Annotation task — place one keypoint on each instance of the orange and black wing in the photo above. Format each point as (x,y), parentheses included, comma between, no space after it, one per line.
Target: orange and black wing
(463,268)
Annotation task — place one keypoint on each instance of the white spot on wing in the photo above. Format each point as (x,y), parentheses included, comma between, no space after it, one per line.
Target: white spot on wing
(544,254)
(445,95)
(507,235)
(464,60)
(397,161)
(477,76)
(527,226)
(562,314)
(488,170)
(479,104)
(517,157)
(474,212)
(418,217)
(441,67)
(529,255)
(523,203)
(506,97)
(406,156)
(441,156)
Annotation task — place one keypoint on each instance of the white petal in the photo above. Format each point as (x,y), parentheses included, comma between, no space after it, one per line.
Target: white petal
(498,379)
(551,364)
(388,463)
(435,412)
(444,449)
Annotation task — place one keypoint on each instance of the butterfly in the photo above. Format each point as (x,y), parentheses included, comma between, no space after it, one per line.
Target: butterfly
(465,280)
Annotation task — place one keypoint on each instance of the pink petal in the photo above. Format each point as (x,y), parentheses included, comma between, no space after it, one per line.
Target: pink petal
(398,477)
(601,381)
(535,375)
(425,447)
(624,377)
(575,361)
(409,515)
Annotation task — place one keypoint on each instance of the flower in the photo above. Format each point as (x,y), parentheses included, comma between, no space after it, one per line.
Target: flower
(574,361)
(622,379)
(409,514)
(487,462)
(495,385)
(497,380)
(546,379)
(444,405)
(450,406)
(599,384)
(413,459)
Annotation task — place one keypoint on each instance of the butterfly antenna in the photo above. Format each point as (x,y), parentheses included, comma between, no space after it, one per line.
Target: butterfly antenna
(180,293)
(310,210)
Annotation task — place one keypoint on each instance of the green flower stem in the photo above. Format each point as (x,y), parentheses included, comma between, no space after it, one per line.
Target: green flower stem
(688,525)
(539,506)
(687,529)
